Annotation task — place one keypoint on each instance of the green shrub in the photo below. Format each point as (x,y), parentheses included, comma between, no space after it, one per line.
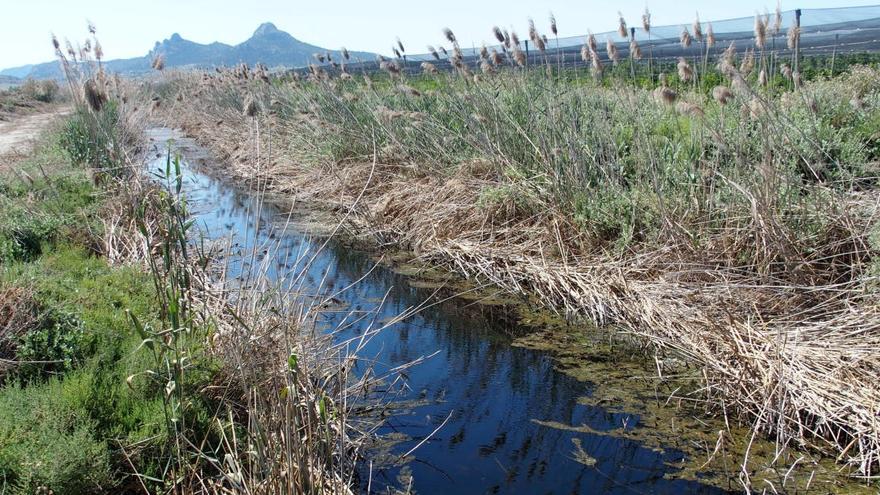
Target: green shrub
(56,347)
(47,439)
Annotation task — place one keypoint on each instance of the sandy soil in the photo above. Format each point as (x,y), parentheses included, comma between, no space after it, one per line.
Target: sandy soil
(18,135)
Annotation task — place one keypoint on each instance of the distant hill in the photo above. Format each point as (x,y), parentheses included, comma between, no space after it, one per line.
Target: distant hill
(268,45)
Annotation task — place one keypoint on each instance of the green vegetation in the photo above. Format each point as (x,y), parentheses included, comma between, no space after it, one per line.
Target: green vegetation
(27,97)
(70,420)
(717,208)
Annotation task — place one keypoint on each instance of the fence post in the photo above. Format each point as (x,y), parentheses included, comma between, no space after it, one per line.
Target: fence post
(797,41)
(834,52)
(527,53)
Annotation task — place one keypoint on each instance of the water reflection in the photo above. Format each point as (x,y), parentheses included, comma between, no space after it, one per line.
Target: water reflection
(490,392)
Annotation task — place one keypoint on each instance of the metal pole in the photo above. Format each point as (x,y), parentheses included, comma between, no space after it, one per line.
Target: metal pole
(797,42)
(527,53)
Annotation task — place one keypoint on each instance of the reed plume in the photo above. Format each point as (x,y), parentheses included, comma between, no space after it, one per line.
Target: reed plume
(611,48)
(499,35)
(748,62)
(591,42)
(690,109)
(685,72)
(487,67)
(685,37)
(400,46)
(760,32)
(94,95)
(497,58)
(646,21)
(484,52)
(585,53)
(722,95)
(762,78)
(91,27)
(433,52)
(450,36)
(429,68)
(621,26)
(785,70)
(345,55)
(777,20)
(635,51)
(158,62)
(710,36)
(99,51)
(793,37)
(665,95)
(553,28)
(596,64)
(698,28)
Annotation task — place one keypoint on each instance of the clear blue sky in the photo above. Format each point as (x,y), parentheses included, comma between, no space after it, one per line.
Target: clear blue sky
(128,29)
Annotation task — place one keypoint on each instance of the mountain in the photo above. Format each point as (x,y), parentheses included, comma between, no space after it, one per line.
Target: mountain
(268,45)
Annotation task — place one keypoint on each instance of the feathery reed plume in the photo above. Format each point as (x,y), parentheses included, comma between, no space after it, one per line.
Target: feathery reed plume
(433,52)
(685,37)
(496,31)
(429,68)
(400,46)
(513,38)
(611,48)
(796,78)
(722,95)
(450,36)
(685,73)
(94,95)
(698,28)
(760,32)
(99,51)
(487,67)
(646,20)
(665,95)
(710,36)
(621,26)
(777,20)
(793,36)
(328,56)
(345,55)
(497,59)
(391,68)
(663,79)
(56,44)
(591,42)
(785,70)
(748,62)
(70,50)
(541,43)
(484,52)
(762,78)
(251,107)
(444,52)
(727,64)
(396,52)
(585,53)
(553,28)
(158,62)
(91,26)
(319,57)
(596,64)
(635,51)
(518,56)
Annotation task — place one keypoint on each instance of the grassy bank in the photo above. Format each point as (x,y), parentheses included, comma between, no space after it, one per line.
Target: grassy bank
(732,225)
(124,365)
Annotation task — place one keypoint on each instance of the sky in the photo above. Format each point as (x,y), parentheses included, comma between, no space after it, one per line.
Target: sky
(130,29)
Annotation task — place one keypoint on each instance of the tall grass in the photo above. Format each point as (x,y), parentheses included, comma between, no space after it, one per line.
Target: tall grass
(719,214)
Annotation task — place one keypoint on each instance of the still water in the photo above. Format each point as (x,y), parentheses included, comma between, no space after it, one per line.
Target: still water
(492,395)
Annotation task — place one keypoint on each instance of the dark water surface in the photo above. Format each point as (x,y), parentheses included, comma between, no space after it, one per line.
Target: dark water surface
(491,392)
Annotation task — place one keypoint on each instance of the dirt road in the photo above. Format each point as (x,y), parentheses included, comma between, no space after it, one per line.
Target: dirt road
(18,135)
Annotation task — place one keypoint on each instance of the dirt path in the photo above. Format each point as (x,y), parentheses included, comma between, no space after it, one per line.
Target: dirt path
(17,135)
